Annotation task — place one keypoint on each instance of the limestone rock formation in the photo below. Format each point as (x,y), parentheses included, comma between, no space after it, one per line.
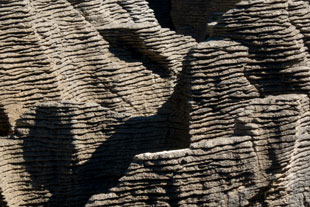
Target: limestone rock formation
(190,17)
(103,104)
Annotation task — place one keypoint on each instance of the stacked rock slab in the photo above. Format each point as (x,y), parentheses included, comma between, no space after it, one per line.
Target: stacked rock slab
(218,88)
(52,53)
(23,64)
(277,51)
(299,17)
(190,17)
(264,166)
(67,152)
(279,127)
(248,82)
(213,173)
(58,51)
(95,94)
(271,131)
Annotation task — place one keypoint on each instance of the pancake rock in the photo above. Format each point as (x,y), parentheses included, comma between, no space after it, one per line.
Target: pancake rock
(110,53)
(190,17)
(100,105)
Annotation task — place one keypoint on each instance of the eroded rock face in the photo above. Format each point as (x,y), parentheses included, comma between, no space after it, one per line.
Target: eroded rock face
(101,106)
(69,65)
(191,17)
(71,151)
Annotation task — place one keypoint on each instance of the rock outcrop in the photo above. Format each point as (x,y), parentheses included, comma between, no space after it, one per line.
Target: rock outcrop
(70,151)
(191,17)
(100,105)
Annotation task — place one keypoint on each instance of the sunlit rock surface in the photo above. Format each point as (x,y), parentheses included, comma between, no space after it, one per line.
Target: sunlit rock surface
(103,104)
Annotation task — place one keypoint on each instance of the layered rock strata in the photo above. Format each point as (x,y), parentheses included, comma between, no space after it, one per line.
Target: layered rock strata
(277,51)
(190,17)
(219,88)
(101,106)
(242,86)
(212,173)
(66,148)
(112,53)
(52,53)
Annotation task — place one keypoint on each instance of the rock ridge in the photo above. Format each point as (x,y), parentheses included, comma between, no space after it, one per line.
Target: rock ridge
(102,106)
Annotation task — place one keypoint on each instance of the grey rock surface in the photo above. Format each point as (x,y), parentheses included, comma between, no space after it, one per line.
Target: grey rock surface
(102,106)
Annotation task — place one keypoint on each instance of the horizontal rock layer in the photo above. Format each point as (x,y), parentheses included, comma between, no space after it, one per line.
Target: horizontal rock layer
(218,88)
(101,106)
(105,58)
(264,165)
(211,174)
(68,152)
(54,54)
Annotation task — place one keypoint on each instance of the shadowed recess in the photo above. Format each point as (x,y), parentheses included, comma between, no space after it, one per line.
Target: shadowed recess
(162,9)
(5,127)
(53,147)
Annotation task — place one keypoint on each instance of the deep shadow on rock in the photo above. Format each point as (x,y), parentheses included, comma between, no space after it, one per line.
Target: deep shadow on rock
(51,150)
(5,127)
(162,10)
(2,200)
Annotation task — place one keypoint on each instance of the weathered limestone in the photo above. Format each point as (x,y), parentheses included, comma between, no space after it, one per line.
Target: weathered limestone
(279,127)
(278,56)
(64,152)
(73,61)
(209,174)
(101,106)
(190,17)
(228,76)
(218,88)
(266,165)
(70,51)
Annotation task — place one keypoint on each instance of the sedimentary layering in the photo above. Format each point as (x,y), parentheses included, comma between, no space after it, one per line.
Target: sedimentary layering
(71,151)
(190,17)
(101,105)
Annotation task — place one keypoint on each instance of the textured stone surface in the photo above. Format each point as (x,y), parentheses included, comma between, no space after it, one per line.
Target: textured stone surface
(218,88)
(77,150)
(190,17)
(100,105)
(210,174)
